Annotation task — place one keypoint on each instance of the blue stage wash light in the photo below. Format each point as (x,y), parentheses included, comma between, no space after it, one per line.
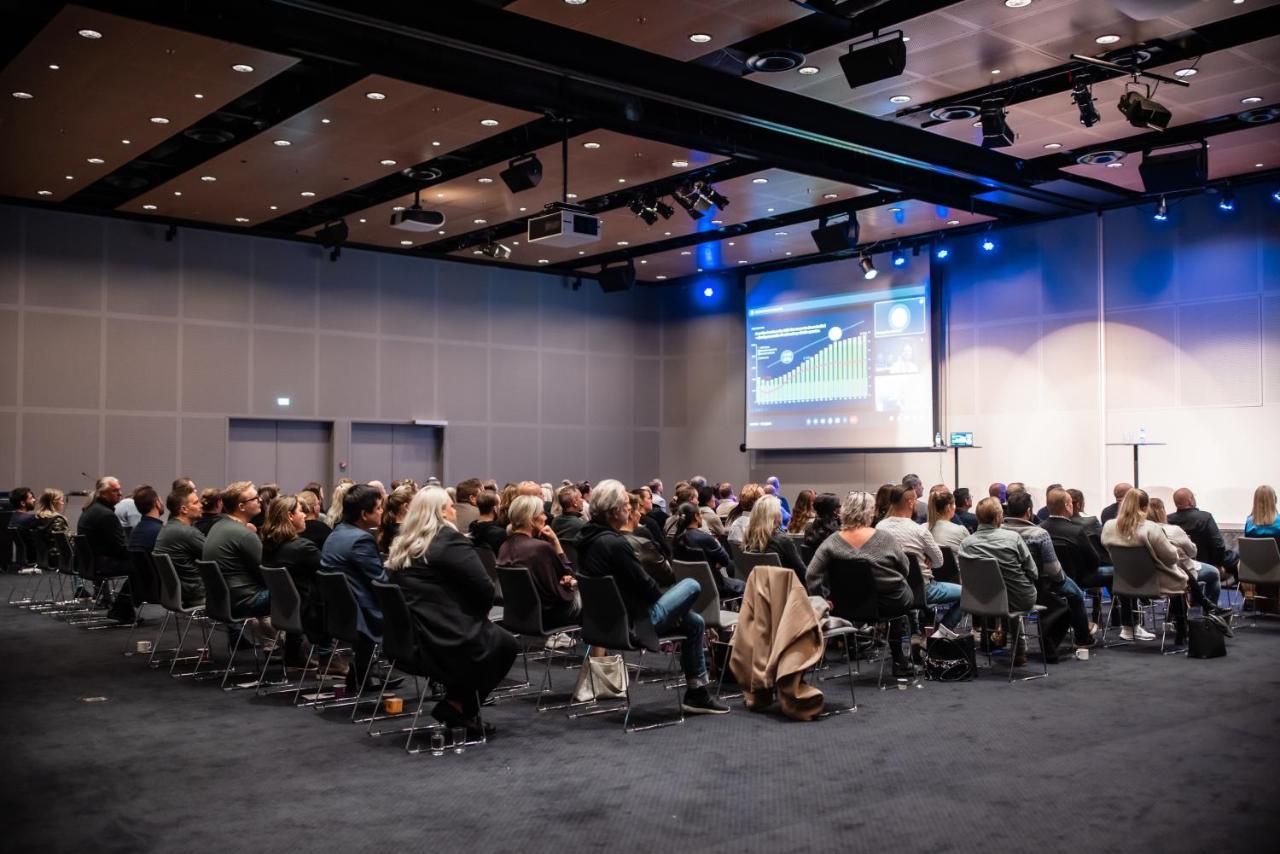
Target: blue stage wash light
(988,244)
(942,253)
(1275,197)
(1162,211)
(899,258)
(942,211)
(708,292)
(1228,200)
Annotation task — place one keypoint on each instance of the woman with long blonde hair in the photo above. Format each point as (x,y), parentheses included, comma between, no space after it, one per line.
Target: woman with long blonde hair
(764,534)
(340,490)
(449,595)
(1132,529)
(1262,521)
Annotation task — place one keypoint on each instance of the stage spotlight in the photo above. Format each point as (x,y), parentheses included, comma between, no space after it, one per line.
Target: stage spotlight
(664,210)
(616,279)
(988,245)
(709,193)
(1275,197)
(522,173)
(1228,200)
(1083,99)
(942,253)
(1142,112)
(899,258)
(996,132)
(644,211)
(868,267)
(708,292)
(496,251)
(693,203)
(1162,211)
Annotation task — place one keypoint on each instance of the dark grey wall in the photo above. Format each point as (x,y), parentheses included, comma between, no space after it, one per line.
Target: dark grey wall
(124,354)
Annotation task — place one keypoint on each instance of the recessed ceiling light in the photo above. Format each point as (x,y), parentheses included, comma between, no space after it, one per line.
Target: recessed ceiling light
(686,252)
(1257,166)
(242,219)
(436,143)
(1238,2)
(978,123)
(1053,146)
(523,209)
(398,208)
(69,177)
(148,207)
(387,162)
(484,180)
(406,242)
(788,253)
(90,34)
(515,243)
(281,142)
(622,180)
(1252,99)
(177,192)
(680,164)
(54,67)
(759,180)
(742,262)
(125,142)
(808,69)
(23,96)
(717,222)
(643,261)
(660,277)
(96,160)
(623,243)
(479,221)
(44,192)
(199,97)
(953,222)
(274,207)
(666,234)
(543,261)
(1109,38)
(159,120)
(1185,72)
(830,195)
(242,68)
(779,234)
(731,243)
(1017,4)
(576,2)
(208,178)
(900,99)
(571,195)
(489,123)
(1116,165)
(375,96)
(306,194)
(581,252)
(770,210)
(591,145)
(325,121)
(699,38)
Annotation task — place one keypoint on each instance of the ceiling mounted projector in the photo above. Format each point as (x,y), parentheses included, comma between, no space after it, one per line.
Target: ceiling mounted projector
(563,226)
(416,218)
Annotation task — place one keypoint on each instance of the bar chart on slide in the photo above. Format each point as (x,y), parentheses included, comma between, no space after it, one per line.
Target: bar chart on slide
(838,371)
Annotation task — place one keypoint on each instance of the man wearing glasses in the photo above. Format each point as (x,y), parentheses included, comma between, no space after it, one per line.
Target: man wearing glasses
(234,546)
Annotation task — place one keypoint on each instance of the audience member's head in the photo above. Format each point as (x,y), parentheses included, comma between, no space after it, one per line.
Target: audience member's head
(570,499)
(378,485)
(309,501)
(1120,490)
(240,500)
(490,485)
(147,500)
(183,505)
(509,493)
(22,499)
(697,481)
(1051,487)
(687,516)
(724,491)
(267,493)
(963,499)
(610,504)
(1155,511)
(1183,498)
(283,522)
(397,504)
(646,498)
(523,512)
(51,502)
(362,507)
(467,490)
(989,511)
(1015,486)
(996,490)
(211,501)
(180,482)
(802,510)
(772,480)
(1132,512)
(1077,502)
(770,489)
(316,489)
(882,500)
(655,486)
(340,490)
(765,520)
(902,501)
(686,494)
(1020,505)
(1059,502)
(585,489)
(942,505)
(826,506)
(430,511)
(706,496)
(747,497)
(1264,505)
(107,490)
(487,503)
(913,482)
(528,487)
(858,510)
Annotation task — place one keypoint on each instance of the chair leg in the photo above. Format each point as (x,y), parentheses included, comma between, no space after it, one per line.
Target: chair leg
(422,698)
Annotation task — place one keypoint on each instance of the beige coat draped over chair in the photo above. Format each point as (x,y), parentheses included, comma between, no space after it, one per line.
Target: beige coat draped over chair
(778,638)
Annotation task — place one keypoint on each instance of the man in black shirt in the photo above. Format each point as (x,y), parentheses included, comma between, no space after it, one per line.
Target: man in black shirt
(1203,531)
(964,510)
(105,535)
(486,530)
(143,538)
(1111,510)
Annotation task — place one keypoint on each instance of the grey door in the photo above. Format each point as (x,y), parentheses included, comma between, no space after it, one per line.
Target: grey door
(289,453)
(388,452)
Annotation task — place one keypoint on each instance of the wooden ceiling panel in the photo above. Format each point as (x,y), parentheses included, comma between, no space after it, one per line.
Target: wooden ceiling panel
(106,90)
(664,26)
(619,162)
(334,146)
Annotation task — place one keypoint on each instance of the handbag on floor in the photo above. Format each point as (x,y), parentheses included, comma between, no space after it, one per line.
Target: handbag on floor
(607,675)
(1205,638)
(950,659)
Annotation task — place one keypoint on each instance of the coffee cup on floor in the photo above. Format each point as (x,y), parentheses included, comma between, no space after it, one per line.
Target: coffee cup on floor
(1082,655)
(144,646)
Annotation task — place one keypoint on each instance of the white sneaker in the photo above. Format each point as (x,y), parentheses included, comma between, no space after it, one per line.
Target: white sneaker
(1141,633)
(563,640)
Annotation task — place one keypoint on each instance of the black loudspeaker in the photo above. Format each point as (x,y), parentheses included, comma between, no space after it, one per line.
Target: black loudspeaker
(616,279)
(523,173)
(837,236)
(868,62)
(1168,170)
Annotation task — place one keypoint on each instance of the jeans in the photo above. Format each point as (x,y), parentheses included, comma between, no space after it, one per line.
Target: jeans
(258,606)
(1069,590)
(1212,583)
(944,593)
(671,612)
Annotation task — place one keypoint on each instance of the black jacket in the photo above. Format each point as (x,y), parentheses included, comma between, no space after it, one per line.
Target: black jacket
(449,595)
(605,552)
(969,520)
(205,522)
(300,557)
(788,554)
(1203,531)
(98,523)
(317,531)
(491,534)
(654,528)
(1085,557)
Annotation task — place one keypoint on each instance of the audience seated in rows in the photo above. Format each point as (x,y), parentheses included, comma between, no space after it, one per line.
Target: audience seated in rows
(102,530)
(534,545)
(914,539)
(233,544)
(1119,491)
(184,543)
(1010,552)
(707,507)
(1202,528)
(1066,526)
(486,530)
(765,535)
(692,543)
(1197,572)
(964,510)
(284,546)
(942,510)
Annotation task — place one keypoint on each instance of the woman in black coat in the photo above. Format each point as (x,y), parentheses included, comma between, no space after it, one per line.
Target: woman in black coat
(449,595)
(282,546)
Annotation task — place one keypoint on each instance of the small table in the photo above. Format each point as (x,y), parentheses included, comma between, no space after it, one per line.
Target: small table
(957,449)
(1135,446)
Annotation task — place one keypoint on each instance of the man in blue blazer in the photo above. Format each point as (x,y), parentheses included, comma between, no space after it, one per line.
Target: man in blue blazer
(351,550)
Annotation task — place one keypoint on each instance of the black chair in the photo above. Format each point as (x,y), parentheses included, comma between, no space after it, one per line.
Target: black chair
(144,589)
(522,616)
(170,599)
(1138,578)
(1075,565)
(1259,565)
(605,624)
(854,597)
(217,607)
(62,560)
(490,562)
(949,572)
(286,616)
(89,567)
(983,594)
(6,541)
(746,561)
(31,569)
(341,625)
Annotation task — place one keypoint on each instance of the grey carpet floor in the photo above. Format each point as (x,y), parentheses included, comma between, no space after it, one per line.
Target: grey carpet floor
(1129,751)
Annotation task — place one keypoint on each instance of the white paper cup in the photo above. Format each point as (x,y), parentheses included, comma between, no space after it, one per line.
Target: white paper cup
(1082,655)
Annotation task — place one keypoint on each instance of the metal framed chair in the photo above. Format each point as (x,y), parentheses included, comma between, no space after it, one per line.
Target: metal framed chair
(605,624)
(91,569)
(950,570)
(490,563)
(1259,565)
(983,594)
(709,607)
(171,600)
(1073,564)
(341,624)
(854,597)
(746,561)
(522,616)
(286,616)
(143,589)
(217,607)
(1136,577)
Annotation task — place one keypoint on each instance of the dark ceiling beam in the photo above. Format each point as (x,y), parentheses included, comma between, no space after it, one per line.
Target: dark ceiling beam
(1049,164)
(817,31)
(1178,47)
(528,64)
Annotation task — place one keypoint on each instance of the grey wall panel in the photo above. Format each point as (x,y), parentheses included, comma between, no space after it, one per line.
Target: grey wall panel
(348,368)
(215,369)
(64,260)
(563,315)
(371,453)
(141,449)
(67,371)
(1137,340)
(611,328)
(284,283)
(57,448)
(203,451)
(217,273)
(564,388)
(1069,266)
(674,402)
(646,392)
(1213,262)
(462,372)
(609,454)
(609,397)
(415,452)
(348,292)
(8,358)
(407,378)
(513,386)
(514,309)
(466,451)
(1068,368)
(462,303)
(142,364)
(645,456)
(407,297)
(303,452)
(11,229)
(143,270)
(1220,353)
(1271,350)
(9,448)
(284,365)
(513,454)
(563,453)
(251,450)
(1009,366)
(1138,264)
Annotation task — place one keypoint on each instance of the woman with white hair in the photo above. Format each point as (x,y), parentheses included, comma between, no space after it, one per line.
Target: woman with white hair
(764,534)
(449,596)
(532,544)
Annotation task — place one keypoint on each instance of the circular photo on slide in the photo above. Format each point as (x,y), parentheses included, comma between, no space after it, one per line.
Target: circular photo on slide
(899,317)
(835,333)
(788,357)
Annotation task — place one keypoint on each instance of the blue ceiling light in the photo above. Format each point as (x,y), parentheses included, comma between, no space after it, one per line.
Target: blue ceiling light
(1162,211)
(900,258)
(708,292)
(1275,197)
(1228,200)
(942,252)
(988,245)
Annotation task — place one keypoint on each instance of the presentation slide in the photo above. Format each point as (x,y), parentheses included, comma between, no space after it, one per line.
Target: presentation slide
(835,360)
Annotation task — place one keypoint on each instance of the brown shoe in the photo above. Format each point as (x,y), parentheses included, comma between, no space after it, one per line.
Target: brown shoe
(337,666)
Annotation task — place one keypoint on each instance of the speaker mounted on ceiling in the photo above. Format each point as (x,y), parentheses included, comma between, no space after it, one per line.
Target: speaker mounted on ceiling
(877,58)
(1177,167)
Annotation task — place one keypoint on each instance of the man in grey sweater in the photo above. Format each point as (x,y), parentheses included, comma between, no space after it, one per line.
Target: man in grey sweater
(234,546)
(183,542)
